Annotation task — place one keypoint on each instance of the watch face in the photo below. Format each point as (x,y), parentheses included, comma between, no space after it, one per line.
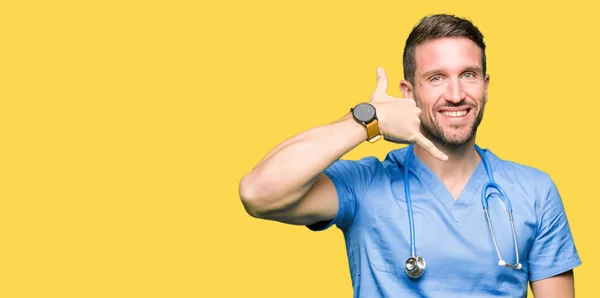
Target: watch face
(364,112)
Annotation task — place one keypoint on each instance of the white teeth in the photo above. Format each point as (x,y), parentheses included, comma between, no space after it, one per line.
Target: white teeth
(455,114)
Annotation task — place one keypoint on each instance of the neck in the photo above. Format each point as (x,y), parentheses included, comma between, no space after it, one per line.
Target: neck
(456,171)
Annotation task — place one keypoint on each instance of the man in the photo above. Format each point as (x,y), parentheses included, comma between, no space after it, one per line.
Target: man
(303,181)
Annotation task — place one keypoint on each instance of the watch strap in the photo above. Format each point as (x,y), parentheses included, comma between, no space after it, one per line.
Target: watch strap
(373,133)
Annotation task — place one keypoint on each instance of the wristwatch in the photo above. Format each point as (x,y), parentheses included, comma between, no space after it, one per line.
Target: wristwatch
(365,114)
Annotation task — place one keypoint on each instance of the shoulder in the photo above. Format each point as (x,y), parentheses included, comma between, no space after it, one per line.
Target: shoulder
(367,163)
(520,174)
(366,168)
(393,159)
(521,170)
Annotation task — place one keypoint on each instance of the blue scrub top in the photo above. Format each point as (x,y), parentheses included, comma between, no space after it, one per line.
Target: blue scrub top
(451,235)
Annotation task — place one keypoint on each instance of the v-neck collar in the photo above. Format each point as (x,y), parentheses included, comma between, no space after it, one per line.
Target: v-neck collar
(439,190)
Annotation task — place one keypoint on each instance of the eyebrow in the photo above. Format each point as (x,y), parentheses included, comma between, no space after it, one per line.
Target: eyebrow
(475,69)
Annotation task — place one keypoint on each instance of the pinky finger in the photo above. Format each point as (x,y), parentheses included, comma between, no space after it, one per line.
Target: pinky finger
(430,147)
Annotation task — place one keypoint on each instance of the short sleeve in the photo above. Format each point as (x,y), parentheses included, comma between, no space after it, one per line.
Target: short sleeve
(351,179)
(553,251)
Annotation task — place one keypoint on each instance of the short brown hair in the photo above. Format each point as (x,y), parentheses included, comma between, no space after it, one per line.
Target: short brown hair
(438,26)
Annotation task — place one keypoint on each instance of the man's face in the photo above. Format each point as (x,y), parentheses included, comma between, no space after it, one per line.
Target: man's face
(449,88)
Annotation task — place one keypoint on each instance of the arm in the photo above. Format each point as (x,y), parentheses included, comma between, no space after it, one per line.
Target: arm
(553,255)
(559,286)
(288,184)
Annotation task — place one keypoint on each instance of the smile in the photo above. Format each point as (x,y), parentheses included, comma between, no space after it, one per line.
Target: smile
(455,113)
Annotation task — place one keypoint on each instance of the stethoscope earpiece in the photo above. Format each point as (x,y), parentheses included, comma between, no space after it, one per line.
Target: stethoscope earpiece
(518,266)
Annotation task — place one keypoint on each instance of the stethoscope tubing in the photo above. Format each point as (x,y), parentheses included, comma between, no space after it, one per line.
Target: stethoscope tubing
(491,184)
(411,221)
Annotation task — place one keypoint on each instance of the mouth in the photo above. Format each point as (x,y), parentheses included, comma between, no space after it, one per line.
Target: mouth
(455,114)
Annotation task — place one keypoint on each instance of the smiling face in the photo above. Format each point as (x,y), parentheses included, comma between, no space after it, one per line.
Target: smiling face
(450,88)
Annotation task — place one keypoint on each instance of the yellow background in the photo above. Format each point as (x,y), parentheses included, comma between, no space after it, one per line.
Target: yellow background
(126,125)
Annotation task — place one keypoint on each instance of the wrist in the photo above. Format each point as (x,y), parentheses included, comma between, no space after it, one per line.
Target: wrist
(381,107)
(365,114)
(355,130)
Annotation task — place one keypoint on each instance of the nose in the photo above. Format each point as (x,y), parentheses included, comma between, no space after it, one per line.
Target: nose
(454,91)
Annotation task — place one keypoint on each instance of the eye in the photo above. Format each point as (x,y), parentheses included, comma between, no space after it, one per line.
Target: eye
(436,78)
(469,75)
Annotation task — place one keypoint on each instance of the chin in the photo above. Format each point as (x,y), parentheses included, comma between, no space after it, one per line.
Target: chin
(455,138)
(455,143)
(452,135)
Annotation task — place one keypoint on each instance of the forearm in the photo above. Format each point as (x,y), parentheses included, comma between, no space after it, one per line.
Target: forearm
(287,172)
(291,140)
(561,285)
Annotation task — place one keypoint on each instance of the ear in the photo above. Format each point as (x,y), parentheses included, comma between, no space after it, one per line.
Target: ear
(407,89)
(486,85)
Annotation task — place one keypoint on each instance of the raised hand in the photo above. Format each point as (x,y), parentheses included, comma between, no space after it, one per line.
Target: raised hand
(399,118)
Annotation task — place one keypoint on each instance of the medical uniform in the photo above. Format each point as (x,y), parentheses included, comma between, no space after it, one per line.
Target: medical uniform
(451,235)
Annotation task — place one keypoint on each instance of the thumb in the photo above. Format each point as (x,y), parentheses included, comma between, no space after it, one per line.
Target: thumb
(382,82)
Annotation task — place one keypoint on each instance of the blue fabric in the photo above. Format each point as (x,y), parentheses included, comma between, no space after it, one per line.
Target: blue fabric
(452,235)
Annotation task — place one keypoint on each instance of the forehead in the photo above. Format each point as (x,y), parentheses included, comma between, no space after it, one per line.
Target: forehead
(450,54)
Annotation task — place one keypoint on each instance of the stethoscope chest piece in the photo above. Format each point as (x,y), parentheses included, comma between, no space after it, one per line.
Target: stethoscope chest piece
(415,266)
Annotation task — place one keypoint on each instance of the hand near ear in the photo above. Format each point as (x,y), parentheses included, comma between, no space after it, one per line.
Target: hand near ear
(399,118)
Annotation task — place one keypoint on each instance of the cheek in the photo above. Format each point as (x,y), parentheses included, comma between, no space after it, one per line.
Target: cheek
(427,113)
(432,92)
(427,100)
(428,97)
(474,90)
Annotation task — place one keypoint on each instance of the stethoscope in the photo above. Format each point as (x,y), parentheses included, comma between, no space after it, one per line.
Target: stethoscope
(415,265)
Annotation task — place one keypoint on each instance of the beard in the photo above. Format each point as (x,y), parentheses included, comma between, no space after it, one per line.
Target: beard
(454,135)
